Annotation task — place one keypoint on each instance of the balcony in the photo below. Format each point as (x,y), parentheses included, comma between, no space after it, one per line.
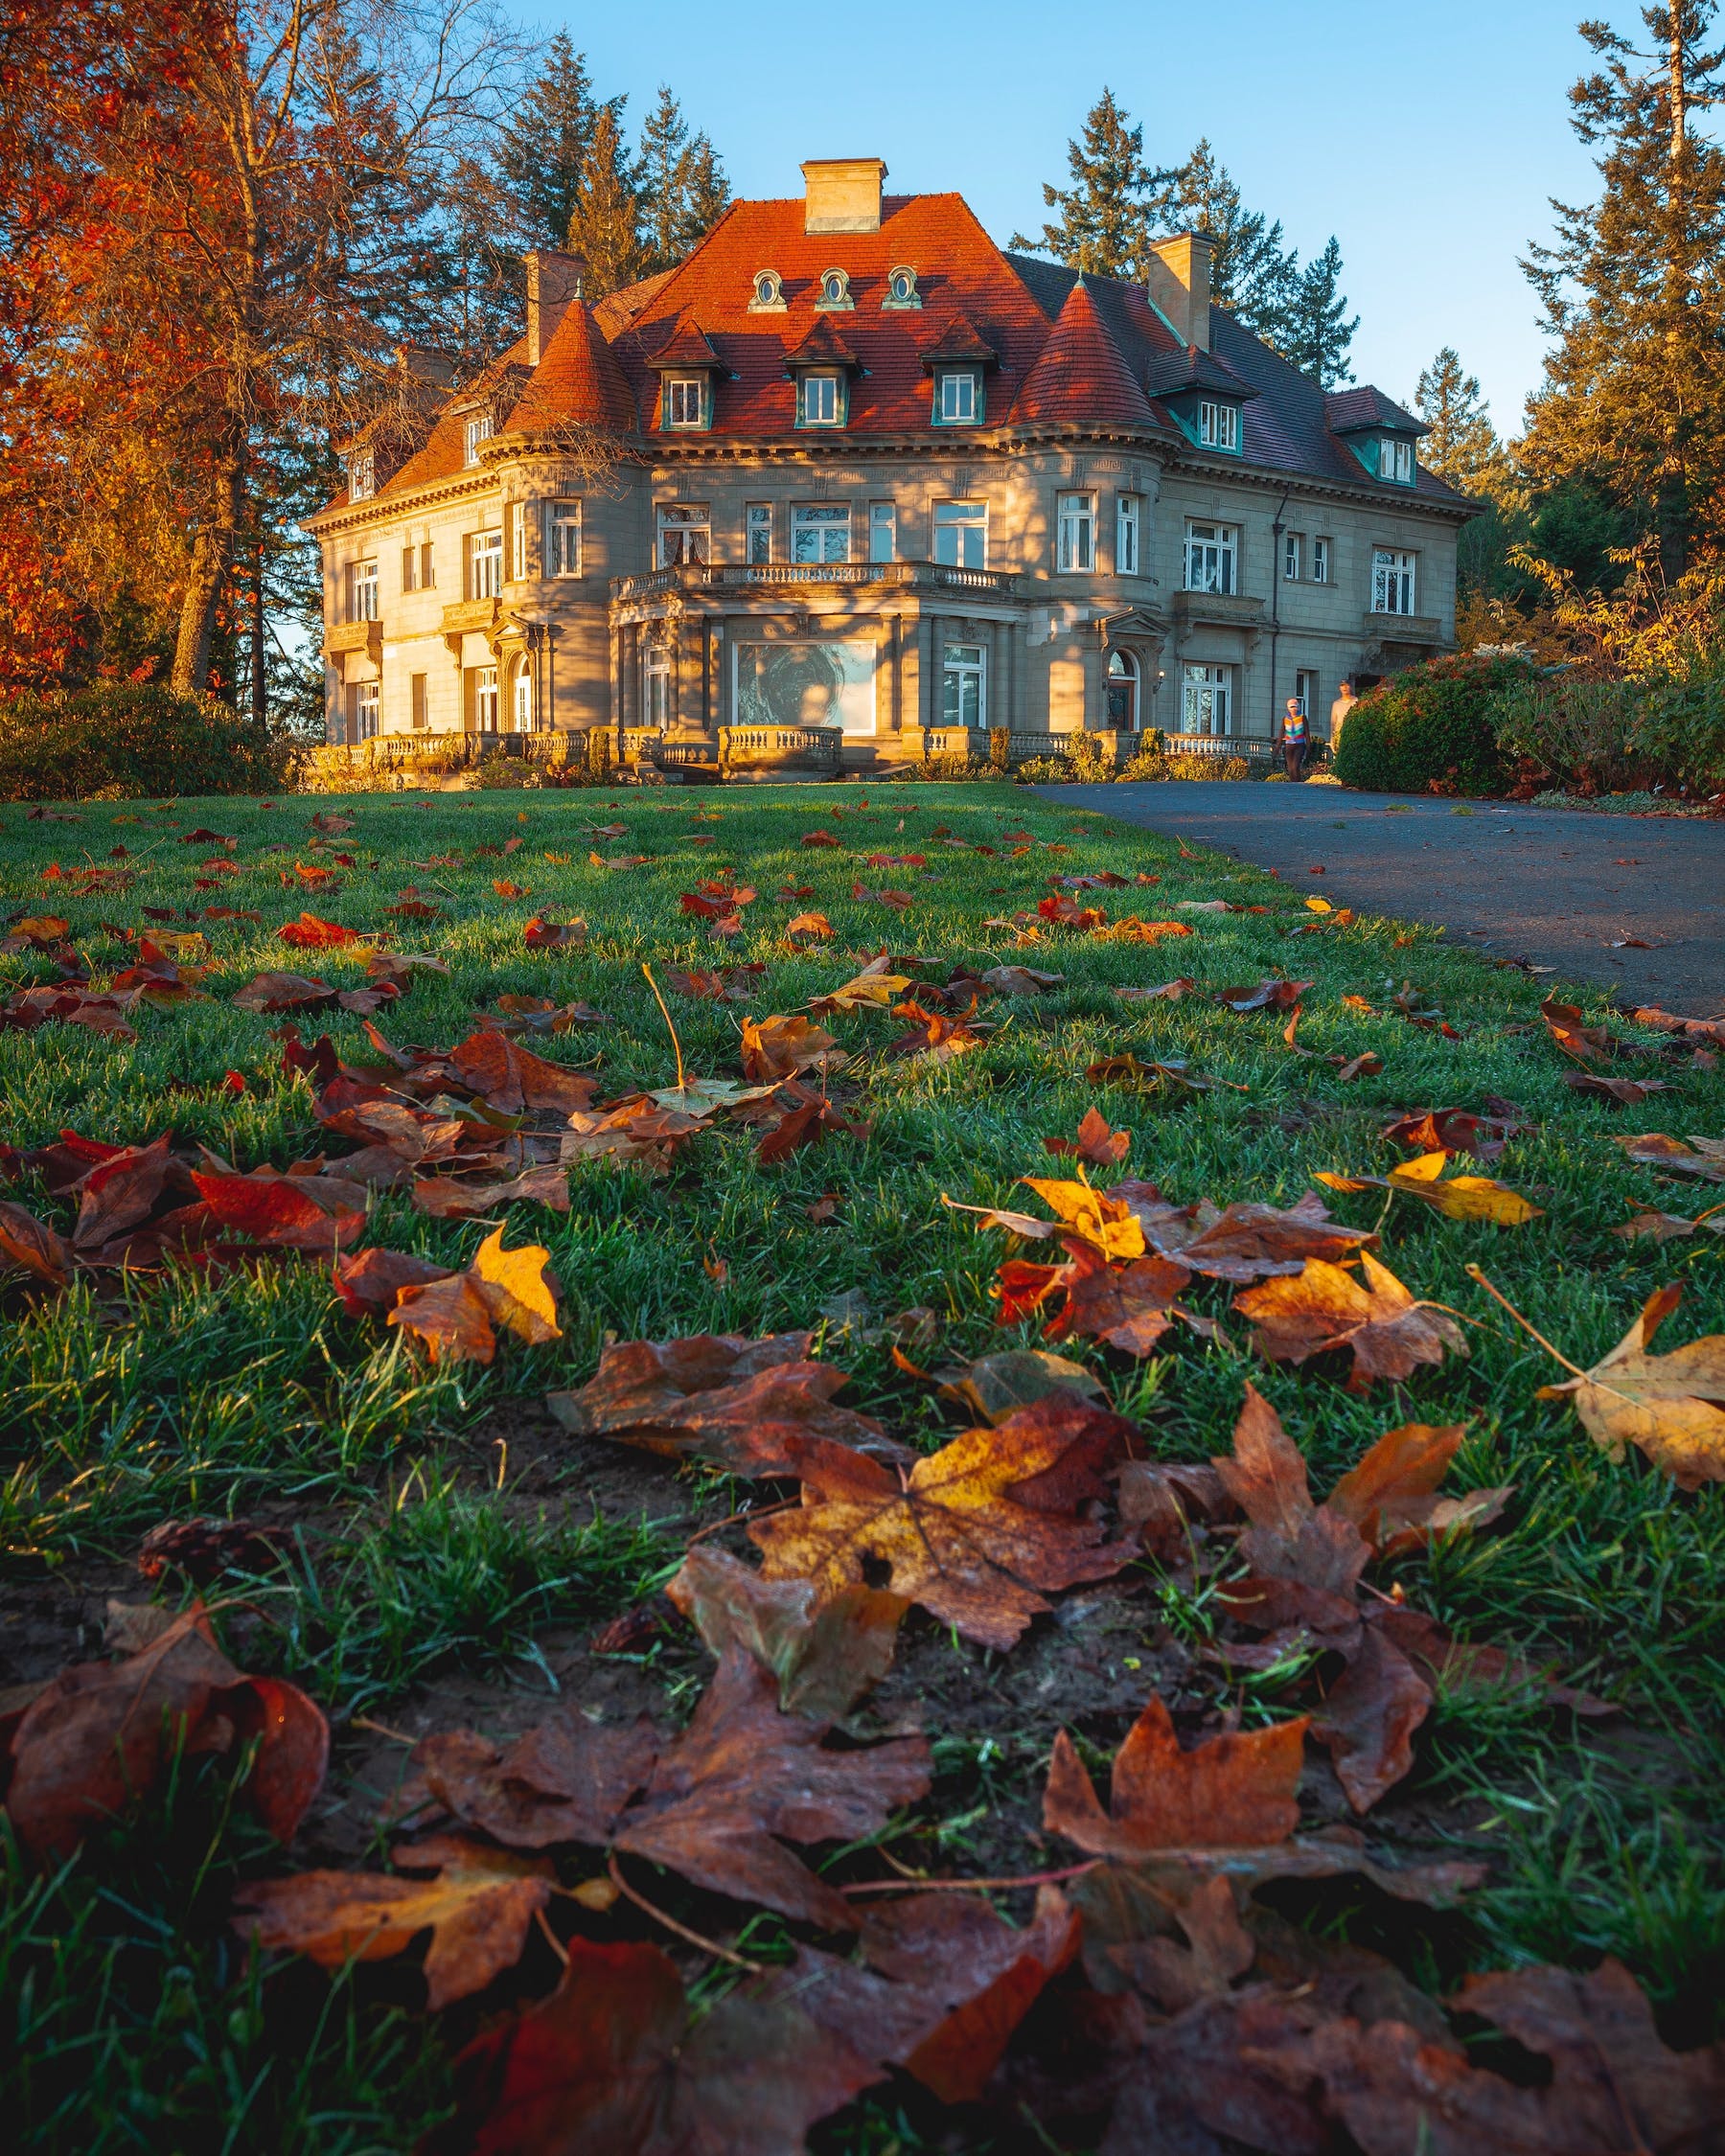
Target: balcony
(344,636)
(481,614)
(1404,629)
(1218,609)
(923,578)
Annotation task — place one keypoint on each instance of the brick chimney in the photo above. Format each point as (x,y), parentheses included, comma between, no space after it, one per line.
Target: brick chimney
(843,194)
(1179,284)
(553,285)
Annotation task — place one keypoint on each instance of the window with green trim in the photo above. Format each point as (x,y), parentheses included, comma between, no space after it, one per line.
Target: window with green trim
(685,402)
(958,397)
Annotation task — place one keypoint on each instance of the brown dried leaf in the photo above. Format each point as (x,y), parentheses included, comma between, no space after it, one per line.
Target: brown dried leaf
(1672,1406)
(1389,1332)
(1228,1792)
(1095,1142)
(825,1655)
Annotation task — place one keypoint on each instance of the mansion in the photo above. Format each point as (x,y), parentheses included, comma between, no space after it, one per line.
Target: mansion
(852,465)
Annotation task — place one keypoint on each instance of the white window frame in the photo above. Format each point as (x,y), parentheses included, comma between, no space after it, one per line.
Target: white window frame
(485,565)
(1292,555)
(517,543)
(1305,690)
(655,685)
(486,712)
(476,430)
(1212,555)
(1320,560)
(563,535)
(827,409)
(685,402)
(365,593)
(1075,534)
(1218,424)
(818,529)
(964,685)
(961,534)
(1129,682)
(685,533)
(363,476)
(368,705)
(958,397)
(520,698)
(1126,535)
(1206,700)
(1394,580)
(757,534)
(1395,460)
(883,531)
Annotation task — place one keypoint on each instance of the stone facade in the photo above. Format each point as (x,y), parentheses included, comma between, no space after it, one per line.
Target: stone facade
(644,517)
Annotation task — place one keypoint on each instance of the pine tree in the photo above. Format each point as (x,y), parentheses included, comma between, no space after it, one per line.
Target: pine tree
(1633,292)
(1317,334)
(706,195)
(1463,446)
(605,222)
(683,186)
(542,146)
(1253,274)
(1103,223)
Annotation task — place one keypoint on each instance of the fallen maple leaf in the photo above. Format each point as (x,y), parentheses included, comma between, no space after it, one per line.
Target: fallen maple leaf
(34,1247)
(1389,1332)
(808,928)
(1095,1142)
(1451,1129)
(825,1654)
(477,1910)
(310,934)
(456,1315)
(1585,1043)
(293,1212)
(540,934)
(1665,1228)
(284,992)
(1701,1158)
(820,838)
(951,1532)
(875,984)
(1671,1407)
(777,1047)
(1267,996)
(1170,992)
(1231,1791)
(1627,1092)
(1460,1198)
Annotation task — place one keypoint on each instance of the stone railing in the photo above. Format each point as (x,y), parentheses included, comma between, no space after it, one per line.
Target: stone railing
(743,576)
(1008,749)
(1218,748)
(405,760)
(815,749)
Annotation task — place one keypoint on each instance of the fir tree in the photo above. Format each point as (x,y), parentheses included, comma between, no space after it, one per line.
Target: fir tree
(1463,446)
(542,146)
(1103,222)
(605,222)
(1316,332)
(706,194)
(1253,274)
(683,187)
(1633,292)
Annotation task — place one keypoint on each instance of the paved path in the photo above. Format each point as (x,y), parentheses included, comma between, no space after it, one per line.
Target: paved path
(1557,886)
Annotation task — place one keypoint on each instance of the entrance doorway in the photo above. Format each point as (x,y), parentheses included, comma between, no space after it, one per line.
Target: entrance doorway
(1123,692)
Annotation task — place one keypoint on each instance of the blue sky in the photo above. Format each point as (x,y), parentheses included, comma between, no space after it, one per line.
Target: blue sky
(1426,137)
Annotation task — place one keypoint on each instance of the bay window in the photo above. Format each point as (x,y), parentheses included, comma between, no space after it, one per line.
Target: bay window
(562,538)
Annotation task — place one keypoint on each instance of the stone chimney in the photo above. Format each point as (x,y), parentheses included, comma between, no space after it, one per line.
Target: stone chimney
(553,285)
(424,363)
(1179,284)
(843,194)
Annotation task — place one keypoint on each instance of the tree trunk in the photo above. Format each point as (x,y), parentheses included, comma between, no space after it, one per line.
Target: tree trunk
(211,555)
(259,683)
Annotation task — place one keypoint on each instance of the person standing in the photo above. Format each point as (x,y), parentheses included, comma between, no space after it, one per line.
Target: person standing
(1345,699)
(1294,737)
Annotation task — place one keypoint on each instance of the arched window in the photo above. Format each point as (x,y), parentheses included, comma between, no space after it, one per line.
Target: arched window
(835,290)
(1123,692)
(769,293)
(520,698)
(901,288)
(657,684)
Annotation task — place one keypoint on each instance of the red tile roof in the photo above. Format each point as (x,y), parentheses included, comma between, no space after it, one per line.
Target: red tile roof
(688,347)
(1081,375)
(444,453)
(822,345)
(578,379)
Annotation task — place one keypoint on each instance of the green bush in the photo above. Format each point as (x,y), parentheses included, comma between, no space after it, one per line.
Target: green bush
(1431,730)
(1580,732)
(1148,764)
(1680,726)
(130,737)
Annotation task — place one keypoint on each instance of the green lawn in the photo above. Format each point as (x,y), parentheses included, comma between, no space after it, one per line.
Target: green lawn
(446,1554)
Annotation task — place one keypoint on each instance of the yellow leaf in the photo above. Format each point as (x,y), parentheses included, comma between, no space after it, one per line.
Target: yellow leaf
(1319,906)
(1460,1197)
(518,1288)
(1099,1219)
(1672,1406)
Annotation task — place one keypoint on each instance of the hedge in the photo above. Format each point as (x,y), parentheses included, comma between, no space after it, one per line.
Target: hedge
(125,738)
(1430,730)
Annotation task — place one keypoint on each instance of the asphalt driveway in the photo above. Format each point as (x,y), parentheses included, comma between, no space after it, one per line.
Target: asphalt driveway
(1561,888)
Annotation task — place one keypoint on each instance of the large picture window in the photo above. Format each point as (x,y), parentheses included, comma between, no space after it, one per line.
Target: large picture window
(1391,580)
(685,533)
(1206,703)
(961,534)
(820,532)
(1211,558)
(804,683)
(963,699)
(1075,533)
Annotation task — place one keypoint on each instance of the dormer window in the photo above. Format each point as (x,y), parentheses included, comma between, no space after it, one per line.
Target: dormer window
(958,397)
(835,292)
(901,289)
(477,430)
(363,476)
(1395,460)
(821,399)
(769,293)
(685,402)
(1218,425)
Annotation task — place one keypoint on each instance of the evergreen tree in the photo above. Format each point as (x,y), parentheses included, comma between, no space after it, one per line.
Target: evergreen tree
(706,194)
(1463,446)
(1317,334)
(1633,291)
(543,146)
(1253,274)
(683,186)
(1103,223)
(605,222)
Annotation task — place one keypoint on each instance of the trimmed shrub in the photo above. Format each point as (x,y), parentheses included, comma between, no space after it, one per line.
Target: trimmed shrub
(1431,730)
(128,738)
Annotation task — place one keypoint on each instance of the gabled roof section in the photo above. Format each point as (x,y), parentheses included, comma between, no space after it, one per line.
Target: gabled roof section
(1352,411)
(618,309)
(822,346)
(958,342)
(1081,377)
(443,453)
(688,347)
(577,381)
(1191,367)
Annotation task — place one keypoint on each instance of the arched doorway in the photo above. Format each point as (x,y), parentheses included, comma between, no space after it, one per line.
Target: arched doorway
(1123,692)
(521,697)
